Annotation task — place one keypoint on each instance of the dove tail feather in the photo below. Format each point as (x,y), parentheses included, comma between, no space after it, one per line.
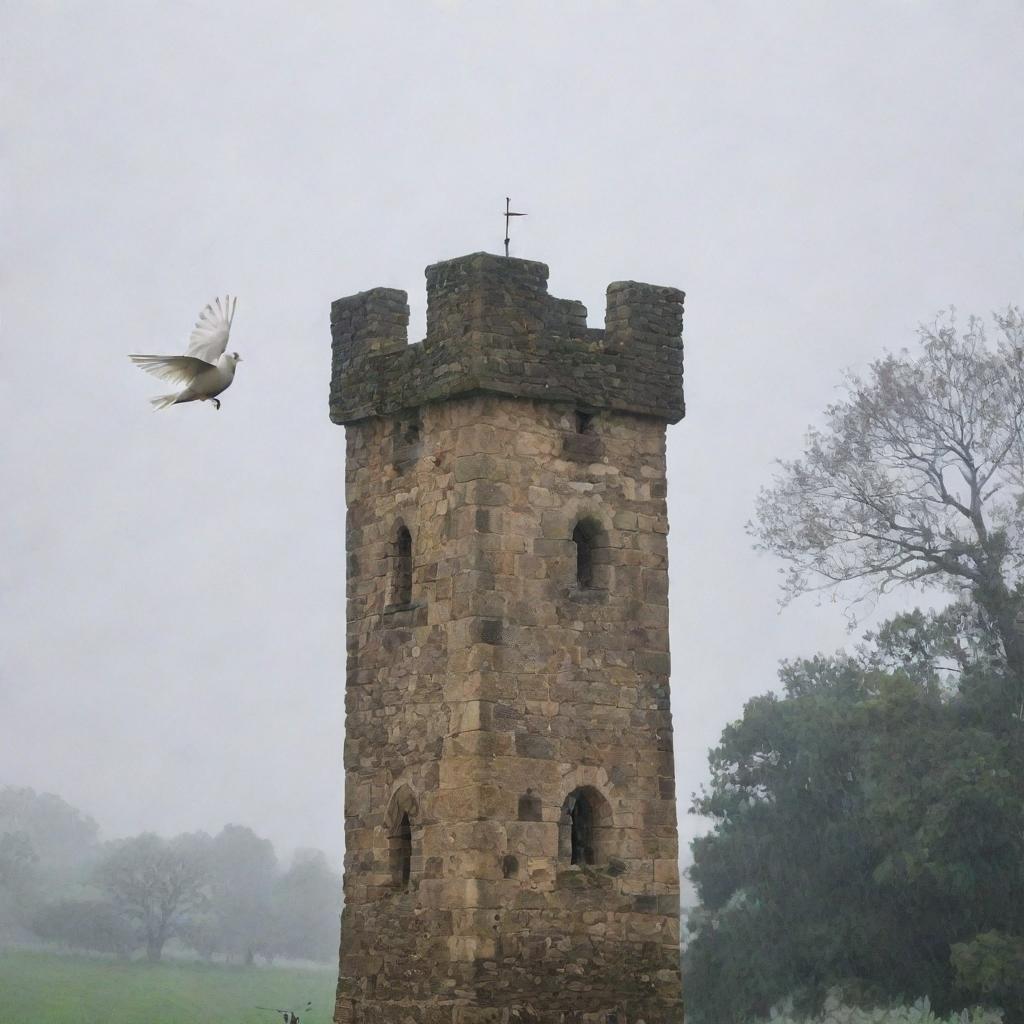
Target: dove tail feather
(162,401)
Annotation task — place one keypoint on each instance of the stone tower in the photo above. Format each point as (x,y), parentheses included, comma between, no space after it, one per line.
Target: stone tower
(510,818)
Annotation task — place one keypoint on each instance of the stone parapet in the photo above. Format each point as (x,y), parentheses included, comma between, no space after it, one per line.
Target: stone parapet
(493,328)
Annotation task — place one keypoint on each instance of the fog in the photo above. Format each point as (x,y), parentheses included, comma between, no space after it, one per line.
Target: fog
(817,177)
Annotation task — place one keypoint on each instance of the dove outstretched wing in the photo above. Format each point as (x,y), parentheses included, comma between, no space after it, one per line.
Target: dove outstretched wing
(178,369)
(209,337)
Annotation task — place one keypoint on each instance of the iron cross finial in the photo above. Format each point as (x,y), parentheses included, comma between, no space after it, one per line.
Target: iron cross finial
(509,213)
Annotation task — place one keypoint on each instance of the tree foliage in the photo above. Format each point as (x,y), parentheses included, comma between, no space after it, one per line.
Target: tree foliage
(86,924)
(44,842)
(243,868)
(307,908)
(992,963)
(155,883)
(18,860)
(920,1012)
(866,821)
(19,883)
(59,834)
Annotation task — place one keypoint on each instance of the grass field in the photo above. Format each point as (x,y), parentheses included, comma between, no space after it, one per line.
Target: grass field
(43,988)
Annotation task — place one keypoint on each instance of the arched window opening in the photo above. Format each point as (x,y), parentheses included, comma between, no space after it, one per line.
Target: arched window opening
(509,866)
(402,570)
(586,836)
(583,538)
(403,850)
(400,839)
(581,825)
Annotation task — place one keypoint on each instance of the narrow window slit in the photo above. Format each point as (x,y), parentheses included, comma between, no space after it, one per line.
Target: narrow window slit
(404,851)
(584,556)
(403,567)
(581,817)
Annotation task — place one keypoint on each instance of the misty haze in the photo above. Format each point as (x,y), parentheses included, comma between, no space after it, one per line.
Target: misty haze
(336,680)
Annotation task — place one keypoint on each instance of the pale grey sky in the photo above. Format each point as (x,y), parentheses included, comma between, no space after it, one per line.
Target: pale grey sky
(818,176)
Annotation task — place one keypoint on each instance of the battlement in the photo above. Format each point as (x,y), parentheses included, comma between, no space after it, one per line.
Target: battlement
(493,327)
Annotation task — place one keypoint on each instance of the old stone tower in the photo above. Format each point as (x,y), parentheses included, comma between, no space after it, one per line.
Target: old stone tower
(510,817)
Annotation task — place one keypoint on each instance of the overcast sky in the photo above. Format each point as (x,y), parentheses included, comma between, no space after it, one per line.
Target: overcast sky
(818,177)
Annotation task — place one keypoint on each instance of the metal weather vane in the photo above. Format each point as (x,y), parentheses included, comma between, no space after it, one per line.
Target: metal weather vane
(509,213)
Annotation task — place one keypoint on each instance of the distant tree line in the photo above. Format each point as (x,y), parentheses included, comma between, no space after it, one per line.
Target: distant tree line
(222,896)
(868,819)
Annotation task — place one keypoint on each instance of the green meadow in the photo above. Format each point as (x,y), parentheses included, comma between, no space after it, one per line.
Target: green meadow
(44,988)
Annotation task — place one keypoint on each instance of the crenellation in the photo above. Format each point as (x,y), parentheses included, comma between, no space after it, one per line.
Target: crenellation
(374,322)
(493,328)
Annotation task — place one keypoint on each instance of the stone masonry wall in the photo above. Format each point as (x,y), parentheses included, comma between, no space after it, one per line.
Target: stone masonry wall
(502,679)
(481,699)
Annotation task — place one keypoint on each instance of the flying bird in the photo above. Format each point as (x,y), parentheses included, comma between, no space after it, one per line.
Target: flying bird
(205,369)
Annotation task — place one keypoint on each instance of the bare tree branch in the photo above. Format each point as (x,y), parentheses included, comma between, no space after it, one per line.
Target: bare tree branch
(916,477)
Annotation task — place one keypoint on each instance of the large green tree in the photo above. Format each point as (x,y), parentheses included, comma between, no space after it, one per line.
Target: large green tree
(867,819)
(155,884)
(870,820)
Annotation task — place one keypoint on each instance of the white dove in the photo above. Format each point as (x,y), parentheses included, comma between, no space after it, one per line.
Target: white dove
(205,369)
